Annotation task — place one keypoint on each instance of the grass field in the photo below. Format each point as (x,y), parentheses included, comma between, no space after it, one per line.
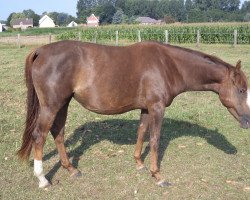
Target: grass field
(203,151)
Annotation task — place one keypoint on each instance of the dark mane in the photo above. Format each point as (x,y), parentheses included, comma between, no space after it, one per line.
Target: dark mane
(208,57)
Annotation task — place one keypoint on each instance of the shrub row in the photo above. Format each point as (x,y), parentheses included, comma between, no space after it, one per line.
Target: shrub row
(209,33)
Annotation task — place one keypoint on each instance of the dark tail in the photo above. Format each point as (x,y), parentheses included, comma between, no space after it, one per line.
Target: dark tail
(32,110)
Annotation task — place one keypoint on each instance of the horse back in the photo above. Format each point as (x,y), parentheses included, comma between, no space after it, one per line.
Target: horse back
(104,79)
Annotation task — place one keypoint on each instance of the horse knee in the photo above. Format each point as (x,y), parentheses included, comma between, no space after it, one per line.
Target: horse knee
(142,128)
(154,142)
(37,137)
(59,139)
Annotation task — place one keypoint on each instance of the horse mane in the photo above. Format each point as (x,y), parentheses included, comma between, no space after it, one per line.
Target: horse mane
(209,58)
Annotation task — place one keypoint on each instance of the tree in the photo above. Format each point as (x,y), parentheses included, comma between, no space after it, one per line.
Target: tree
(53,16)
(229,5)
(118,17)
(247,17)
(84,9)
(216,10)
(15,16)
(25,14)
(193,13)
(131,8)
(141,8)
(9,19)
(105,12)
(168,19)
(225,5)
(245,7)
(31,14)
(189,5)
(120,4)
(163,8)
(215,15)
(179,10)
(148,8)
(61,18)
(28,13)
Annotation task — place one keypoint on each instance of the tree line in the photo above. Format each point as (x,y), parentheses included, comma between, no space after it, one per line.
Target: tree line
(126,11)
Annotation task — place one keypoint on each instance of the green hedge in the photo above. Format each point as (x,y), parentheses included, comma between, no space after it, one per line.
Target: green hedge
(209,33)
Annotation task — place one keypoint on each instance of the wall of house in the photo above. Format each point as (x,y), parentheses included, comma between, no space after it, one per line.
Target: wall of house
(22,26)
(92,23)
(47,23)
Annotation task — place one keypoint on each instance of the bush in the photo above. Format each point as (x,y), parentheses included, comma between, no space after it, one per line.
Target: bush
(187,33)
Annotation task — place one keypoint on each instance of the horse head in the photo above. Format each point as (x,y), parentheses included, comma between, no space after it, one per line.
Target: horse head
(235,95)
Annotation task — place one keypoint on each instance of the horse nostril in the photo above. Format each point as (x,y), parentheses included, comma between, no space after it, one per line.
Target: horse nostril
(245,122)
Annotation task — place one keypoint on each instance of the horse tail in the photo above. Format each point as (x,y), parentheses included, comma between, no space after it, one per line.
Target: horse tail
(32,110)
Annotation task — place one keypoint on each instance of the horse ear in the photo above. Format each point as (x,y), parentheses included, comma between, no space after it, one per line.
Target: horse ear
(236,72)
(238,65)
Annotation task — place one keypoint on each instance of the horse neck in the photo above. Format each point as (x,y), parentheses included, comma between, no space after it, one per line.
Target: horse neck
(205,76)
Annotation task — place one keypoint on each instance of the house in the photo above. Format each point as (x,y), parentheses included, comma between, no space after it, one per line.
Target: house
(22,23)
(72,24)
(46,22)
(1,27)
(92,20)
(147,21)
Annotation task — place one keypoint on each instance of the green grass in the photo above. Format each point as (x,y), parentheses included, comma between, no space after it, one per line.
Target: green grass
(203,152)
(36,31)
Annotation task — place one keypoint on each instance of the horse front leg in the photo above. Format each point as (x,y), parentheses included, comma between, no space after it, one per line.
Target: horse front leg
(156,114)
(143,126)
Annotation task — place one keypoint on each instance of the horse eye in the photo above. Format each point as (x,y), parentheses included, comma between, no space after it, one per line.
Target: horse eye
(242,91)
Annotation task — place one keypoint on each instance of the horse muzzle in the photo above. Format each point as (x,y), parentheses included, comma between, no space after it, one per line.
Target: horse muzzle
(245,122)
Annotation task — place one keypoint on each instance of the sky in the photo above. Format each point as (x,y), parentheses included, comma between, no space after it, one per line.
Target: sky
(67,6)
(40,6)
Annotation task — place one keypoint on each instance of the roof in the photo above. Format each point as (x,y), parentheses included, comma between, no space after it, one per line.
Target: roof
(43,18)
(72,24)
(92,17)
(23,21)
(147,20)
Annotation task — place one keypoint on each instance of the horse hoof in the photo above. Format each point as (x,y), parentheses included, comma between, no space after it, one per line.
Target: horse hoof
(45,185)
(77,174)
(142,168)
(163,183)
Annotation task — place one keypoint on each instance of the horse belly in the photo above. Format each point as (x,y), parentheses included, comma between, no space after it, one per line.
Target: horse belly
(101,103)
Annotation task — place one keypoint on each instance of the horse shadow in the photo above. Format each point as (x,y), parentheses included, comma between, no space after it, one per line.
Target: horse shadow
(123,132)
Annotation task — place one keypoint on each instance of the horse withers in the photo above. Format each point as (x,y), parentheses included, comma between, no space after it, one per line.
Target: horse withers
(112,80)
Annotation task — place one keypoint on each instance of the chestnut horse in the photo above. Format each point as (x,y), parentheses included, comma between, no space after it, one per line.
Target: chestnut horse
(112,80)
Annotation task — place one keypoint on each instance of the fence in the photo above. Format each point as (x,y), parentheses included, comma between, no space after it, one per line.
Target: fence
(127,37)
(176,37)
(21,40)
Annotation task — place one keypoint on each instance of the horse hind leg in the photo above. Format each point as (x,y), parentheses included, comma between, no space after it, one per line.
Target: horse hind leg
(46,118)
(43,125)
(57,131)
